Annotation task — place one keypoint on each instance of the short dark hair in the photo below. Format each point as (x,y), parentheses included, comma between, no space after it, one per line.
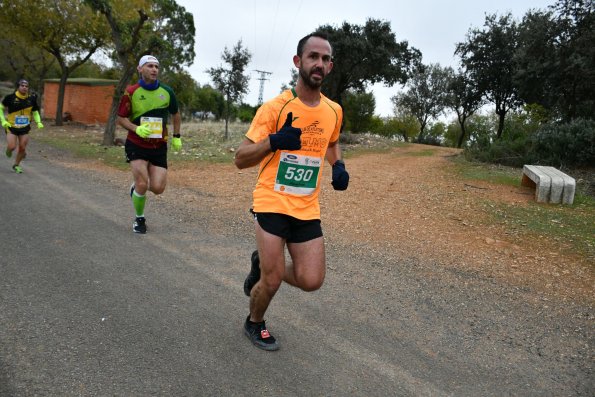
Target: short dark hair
(302,42)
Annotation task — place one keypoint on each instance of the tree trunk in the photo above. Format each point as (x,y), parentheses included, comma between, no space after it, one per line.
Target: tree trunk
(61,90)
(462,119)
(227,118)
(501,116)
(109,133)
(462,136)
(422,127)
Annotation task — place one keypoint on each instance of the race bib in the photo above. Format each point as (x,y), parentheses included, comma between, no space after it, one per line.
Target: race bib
(21,121)
(297,174)
(155,125)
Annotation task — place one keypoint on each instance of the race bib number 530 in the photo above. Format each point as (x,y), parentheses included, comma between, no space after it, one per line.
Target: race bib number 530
(297,174)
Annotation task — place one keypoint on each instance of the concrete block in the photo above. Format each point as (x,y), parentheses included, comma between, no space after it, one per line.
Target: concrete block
(551,185)
(533,177)
(569,185)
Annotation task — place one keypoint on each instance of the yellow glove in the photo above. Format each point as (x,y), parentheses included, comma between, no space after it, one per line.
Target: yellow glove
(143,130)
(6,124)
(40,125)
(176,144)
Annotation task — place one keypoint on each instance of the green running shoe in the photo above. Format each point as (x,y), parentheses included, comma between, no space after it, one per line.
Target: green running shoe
(17,169)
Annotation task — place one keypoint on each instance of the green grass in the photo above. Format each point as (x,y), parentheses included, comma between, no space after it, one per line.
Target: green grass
(488,172)
(204,141)
(87,147)
(572,224)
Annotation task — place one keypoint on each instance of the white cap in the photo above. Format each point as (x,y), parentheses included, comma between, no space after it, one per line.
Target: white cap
(147,58)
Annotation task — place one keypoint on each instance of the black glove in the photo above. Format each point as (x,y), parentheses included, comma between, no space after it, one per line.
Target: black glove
(340,176)
(287,138)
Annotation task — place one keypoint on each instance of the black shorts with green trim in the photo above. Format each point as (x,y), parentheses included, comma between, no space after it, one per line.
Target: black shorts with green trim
(157,156)
(291,229)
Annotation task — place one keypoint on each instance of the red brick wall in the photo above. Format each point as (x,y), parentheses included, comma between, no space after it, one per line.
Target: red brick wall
(87,104)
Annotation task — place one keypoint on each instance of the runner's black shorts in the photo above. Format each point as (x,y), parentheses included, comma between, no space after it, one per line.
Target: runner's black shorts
(157,157)
(18,131)
(291,229)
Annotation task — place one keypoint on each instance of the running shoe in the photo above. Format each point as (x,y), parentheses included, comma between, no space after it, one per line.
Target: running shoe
(259,335)
(17,169)
(139,225)
(8,153)
(254,274)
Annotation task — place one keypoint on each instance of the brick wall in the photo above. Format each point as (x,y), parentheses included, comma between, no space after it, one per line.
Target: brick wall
(87,101)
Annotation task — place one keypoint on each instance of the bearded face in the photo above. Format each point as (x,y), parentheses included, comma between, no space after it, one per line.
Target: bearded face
(314,63)
(313,78)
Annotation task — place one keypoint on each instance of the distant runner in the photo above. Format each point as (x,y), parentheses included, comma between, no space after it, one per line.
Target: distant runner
(21,107)
(143,111)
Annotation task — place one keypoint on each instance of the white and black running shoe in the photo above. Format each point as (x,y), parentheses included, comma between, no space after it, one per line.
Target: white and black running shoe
(139,225)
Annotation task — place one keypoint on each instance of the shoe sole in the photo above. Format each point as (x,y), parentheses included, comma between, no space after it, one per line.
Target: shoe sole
(263,346)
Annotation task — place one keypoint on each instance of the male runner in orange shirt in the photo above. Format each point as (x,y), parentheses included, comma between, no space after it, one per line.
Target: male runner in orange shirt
(286,208)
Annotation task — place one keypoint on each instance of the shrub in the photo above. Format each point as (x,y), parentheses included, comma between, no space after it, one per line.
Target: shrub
(427,139)
(563,145)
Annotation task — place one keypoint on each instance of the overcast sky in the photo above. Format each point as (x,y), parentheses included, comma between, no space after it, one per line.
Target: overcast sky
(270,30)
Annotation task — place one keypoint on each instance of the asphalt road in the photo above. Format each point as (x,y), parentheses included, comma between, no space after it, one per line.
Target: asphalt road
(88,308)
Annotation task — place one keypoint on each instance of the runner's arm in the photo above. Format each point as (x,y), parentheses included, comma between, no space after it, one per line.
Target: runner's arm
(124,122)
(251,153)
(333,152)
(177,122)
(2,118)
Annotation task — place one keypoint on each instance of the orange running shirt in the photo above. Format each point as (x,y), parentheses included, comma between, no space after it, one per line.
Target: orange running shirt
(289,181)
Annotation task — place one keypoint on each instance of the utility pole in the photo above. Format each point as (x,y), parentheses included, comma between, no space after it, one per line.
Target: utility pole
(262,79)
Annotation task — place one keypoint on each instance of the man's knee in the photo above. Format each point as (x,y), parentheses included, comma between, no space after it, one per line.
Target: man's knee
(271,282)
(157,189)
(140,185)
(311,284)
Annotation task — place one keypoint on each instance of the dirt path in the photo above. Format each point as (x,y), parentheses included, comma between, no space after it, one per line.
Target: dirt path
(417,206)
(408,202)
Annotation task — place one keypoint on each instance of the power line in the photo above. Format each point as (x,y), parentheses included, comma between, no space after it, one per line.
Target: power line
(262,79)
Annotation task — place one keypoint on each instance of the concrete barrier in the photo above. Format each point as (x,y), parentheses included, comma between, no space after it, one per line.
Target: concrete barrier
(551,185)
